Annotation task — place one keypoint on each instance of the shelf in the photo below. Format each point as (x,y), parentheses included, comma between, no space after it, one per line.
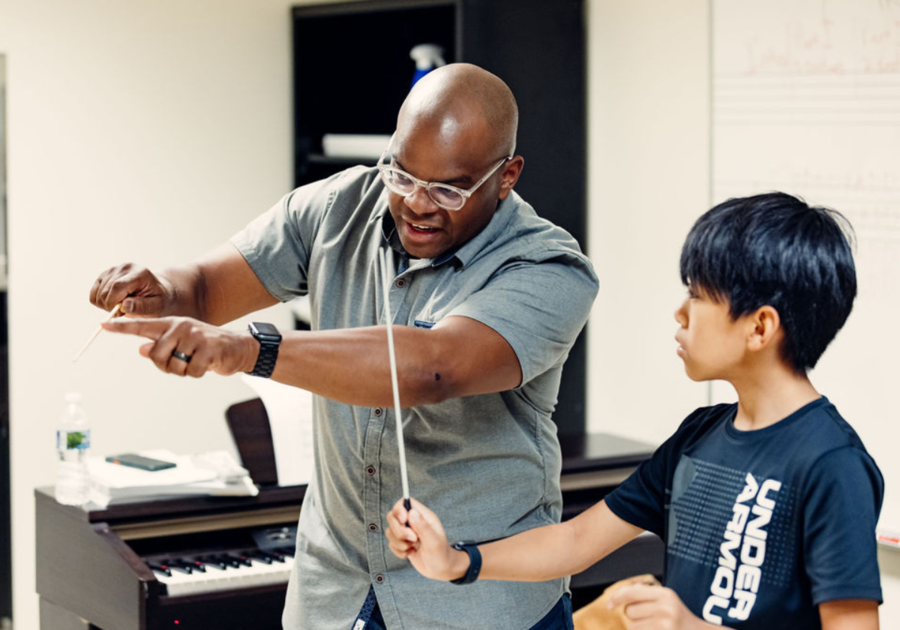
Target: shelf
(343,162)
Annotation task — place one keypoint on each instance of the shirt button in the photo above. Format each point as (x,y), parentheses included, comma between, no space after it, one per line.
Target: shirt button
(370,470)
(401,283)
(379,579)
(378,411)
(373,527)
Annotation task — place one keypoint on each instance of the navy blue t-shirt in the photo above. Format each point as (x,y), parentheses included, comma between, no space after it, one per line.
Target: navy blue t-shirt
(761,526)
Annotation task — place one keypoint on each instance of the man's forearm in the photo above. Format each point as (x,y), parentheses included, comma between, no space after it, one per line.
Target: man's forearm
(187,290)
(458,357)
(216,289)
(352,366)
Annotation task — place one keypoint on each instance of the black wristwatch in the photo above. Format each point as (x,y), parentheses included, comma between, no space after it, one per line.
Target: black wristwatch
(474,562)
(269,339)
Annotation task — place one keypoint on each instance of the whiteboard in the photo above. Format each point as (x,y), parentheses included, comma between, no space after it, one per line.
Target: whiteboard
(806,99)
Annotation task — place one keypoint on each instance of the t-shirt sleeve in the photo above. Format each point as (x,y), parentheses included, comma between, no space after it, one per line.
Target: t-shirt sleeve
(640,499)
(277,243)
(537,307)
(841,508)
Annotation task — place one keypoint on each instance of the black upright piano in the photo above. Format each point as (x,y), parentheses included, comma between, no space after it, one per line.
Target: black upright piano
(223,563)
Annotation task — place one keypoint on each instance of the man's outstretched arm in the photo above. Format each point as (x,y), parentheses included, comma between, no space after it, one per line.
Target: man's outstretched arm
(458,357)
(217,288)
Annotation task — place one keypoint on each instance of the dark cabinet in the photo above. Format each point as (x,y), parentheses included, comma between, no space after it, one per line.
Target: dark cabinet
(352,71)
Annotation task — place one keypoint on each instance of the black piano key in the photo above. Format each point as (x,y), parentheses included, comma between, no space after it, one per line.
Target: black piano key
(160,568)
(195,564)
(261,556)
(234,563)
(217,561)
(241,559)
(179,565)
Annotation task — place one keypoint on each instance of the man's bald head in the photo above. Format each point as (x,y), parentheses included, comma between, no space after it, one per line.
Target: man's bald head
(459,101)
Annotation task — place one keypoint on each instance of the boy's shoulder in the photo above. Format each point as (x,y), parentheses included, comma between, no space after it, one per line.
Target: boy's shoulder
(815,430)
(821,428)
(702,420)
(819,421)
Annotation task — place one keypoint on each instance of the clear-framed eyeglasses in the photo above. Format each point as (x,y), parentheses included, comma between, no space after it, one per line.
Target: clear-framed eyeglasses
(444,195)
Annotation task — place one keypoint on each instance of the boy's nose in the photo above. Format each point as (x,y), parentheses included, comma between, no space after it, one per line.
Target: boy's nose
(681,314)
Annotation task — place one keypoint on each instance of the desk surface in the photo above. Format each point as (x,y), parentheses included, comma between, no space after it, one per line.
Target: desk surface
(585,453)
(601,451)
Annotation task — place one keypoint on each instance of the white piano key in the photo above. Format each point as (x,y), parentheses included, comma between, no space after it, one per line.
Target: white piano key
(216,579)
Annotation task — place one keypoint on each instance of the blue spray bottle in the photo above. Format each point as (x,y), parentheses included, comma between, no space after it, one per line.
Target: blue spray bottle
(427,58)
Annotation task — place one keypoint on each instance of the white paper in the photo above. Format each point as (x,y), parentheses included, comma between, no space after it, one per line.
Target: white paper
(114,483)
(290,418)
(125,479)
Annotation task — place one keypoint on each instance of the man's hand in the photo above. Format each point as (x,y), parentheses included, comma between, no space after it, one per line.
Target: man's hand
(655,608)
(424,542)
(208,348)
(140,291)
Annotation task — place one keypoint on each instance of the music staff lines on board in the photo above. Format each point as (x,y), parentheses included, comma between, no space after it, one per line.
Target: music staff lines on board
(803,101)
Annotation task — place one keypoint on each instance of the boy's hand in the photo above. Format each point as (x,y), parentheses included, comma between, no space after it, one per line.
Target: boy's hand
(655,608)
(424,542)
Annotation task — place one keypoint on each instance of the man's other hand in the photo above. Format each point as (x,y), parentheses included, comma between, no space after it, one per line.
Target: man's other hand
(139,290)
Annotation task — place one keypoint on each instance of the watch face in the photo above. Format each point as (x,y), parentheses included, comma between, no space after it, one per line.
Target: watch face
(265,330)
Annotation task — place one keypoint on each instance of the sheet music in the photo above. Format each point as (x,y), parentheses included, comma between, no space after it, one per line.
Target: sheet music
(290,418)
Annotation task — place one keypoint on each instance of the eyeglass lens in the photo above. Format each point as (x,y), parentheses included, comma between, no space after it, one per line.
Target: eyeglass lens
(443,196)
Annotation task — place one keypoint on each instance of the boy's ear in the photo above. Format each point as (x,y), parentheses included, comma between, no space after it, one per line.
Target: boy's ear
(766,325)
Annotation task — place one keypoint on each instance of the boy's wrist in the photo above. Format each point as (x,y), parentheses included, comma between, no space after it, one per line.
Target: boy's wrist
(459,564)
(474,564)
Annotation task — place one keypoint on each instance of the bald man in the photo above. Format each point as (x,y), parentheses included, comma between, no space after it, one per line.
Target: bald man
(486,300)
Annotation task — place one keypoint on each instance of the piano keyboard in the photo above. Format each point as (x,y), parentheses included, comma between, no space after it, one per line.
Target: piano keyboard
(218,572)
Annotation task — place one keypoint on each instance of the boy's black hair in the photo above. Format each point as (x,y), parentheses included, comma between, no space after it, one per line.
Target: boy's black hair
(776,250)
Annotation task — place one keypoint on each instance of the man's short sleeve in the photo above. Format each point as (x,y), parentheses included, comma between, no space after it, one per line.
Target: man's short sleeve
(537,307)
(842,503)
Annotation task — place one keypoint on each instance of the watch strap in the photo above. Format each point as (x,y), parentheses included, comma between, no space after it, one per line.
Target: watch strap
(268,354)
(474,562)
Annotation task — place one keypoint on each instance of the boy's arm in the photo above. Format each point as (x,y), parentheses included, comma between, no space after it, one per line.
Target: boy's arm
(543,553)
(849,614)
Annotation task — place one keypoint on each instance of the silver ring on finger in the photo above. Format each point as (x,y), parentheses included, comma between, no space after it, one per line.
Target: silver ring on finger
(181,356)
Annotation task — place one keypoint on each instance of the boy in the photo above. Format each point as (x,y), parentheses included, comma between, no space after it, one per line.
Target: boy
(768,506)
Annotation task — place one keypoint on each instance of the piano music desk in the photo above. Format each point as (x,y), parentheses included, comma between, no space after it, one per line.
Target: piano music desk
(91,575)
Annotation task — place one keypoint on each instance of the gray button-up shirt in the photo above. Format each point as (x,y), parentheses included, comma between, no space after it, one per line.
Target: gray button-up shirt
(488,465)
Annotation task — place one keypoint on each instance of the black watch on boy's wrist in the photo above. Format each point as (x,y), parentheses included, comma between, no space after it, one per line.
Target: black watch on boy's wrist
(269,339)
(474,562)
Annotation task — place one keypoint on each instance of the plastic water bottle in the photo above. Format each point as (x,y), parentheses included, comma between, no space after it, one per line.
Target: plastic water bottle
(73,443)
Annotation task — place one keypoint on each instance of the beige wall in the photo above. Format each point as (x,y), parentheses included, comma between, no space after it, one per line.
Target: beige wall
(146,131)
(151,131)
(648,104)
